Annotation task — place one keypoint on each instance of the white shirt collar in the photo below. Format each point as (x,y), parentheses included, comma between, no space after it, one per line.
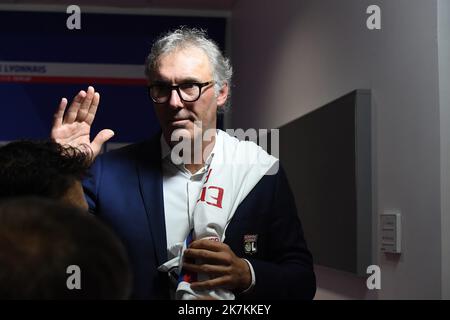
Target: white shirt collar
(217,149)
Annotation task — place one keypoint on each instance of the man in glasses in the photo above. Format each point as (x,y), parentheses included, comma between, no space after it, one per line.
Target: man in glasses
(160,206)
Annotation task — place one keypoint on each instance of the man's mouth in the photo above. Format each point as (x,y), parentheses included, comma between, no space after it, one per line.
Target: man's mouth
(179,122)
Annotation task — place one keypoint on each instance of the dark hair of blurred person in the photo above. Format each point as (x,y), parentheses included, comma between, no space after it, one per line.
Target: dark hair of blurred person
(41,238)
(43,168)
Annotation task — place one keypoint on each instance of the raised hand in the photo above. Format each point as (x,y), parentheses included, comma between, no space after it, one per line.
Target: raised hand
(74,127)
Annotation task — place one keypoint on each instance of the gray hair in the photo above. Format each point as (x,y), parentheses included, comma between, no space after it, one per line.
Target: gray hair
(191,37)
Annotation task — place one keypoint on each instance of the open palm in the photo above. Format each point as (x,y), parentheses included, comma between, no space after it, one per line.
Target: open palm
(74,126)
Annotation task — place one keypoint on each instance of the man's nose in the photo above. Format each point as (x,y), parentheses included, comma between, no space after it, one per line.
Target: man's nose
(175,99)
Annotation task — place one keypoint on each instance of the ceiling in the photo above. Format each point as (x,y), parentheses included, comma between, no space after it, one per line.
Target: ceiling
(166,4)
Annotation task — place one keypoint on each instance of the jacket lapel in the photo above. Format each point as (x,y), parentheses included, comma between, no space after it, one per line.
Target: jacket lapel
(150,181)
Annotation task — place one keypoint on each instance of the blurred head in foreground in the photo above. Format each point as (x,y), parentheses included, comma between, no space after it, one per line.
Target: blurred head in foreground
(49,250)
(45,169)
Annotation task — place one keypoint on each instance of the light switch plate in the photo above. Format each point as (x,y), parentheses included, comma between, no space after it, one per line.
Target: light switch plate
(390,224)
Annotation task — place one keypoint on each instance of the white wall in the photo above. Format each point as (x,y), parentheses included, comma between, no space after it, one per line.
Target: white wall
(444,93)
(291,57)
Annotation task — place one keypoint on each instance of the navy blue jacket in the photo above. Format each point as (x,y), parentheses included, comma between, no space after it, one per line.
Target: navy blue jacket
(125,191)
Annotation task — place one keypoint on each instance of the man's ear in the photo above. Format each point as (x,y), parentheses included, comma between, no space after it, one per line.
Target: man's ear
(223,95)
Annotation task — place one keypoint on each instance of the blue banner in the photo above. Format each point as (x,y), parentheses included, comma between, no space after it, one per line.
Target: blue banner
(41,60)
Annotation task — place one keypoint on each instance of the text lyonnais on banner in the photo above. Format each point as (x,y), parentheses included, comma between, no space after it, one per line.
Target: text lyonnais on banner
(50,72)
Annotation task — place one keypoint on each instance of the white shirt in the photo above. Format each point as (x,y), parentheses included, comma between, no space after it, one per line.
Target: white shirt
(181,190)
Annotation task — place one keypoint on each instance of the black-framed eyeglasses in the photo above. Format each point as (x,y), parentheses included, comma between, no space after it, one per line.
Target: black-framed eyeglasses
(188,92)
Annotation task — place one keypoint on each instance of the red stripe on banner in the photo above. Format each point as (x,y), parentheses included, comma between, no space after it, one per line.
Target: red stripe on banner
(73,80)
